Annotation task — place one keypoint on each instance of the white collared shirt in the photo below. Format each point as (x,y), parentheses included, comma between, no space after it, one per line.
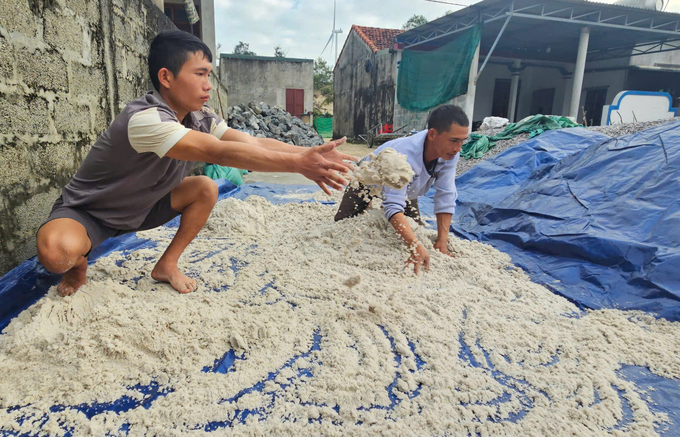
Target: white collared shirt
(443,179)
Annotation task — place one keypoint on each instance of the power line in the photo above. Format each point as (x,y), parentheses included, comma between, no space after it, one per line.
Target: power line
(447,3)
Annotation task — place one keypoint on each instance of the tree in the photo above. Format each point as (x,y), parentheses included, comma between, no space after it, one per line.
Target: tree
(243,48)
(415,21)
(323,79)
(278,52)
(323,75)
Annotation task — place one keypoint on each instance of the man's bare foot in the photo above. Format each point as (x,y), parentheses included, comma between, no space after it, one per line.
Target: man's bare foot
(73,279)
(171,274)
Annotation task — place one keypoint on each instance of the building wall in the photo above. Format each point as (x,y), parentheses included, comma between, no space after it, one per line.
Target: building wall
(485,89)
(256,79)
(66,70)
(536,78)
(667,58)
(612,76)
(364,89)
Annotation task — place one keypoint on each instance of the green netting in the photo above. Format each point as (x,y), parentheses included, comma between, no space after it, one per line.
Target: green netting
(533,125)
(428,79)
(324,126)
(233,175)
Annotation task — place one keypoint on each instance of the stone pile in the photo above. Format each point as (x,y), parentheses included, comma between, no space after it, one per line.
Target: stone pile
(264,121)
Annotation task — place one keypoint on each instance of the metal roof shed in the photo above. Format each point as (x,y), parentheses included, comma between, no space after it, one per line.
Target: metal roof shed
(553,30)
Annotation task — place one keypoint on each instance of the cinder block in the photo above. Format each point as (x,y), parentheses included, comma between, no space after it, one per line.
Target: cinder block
(96,49)
(121,30)
(101,122)
(34,212)
(13,164)
(6,59)
(63,32)
(87,9)
(57,161)
(23,114)
(42,70)
(16,16)
(87,81)
(127,92)
(71,118)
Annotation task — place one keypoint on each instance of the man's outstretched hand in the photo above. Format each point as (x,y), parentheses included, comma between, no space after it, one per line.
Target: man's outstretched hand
(337,156)
(321,164)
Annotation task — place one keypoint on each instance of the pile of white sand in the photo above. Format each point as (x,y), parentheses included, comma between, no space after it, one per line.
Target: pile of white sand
(333,337)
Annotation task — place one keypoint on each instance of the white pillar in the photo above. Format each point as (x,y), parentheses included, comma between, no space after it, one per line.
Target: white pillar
(579,71)
(472,86)
(566,106)
(514,88)
(160,4)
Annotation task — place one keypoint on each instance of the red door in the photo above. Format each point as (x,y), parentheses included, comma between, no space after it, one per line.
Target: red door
(295,102)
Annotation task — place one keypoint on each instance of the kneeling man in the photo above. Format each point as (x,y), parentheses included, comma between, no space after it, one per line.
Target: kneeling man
(433,155)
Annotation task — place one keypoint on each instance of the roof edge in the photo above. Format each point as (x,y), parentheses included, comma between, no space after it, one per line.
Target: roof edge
(263,58)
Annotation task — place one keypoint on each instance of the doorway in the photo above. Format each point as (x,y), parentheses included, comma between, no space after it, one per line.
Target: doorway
(542,101)
(295,102)
(501,98)
(595,101)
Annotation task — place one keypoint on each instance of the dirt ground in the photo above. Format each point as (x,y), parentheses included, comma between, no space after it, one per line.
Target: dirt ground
(358,150)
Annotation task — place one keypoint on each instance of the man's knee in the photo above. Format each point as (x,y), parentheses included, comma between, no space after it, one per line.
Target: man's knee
(57,250)
(207,190)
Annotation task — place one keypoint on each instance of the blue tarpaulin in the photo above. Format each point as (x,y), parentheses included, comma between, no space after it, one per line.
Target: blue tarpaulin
(594,219)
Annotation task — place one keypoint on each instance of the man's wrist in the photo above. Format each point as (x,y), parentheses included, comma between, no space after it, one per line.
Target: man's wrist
(293,162)
(413,246)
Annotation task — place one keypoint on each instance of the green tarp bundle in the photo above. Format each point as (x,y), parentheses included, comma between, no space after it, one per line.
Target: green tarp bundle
(533,125)
(324,126)
(233,175)
(428,79)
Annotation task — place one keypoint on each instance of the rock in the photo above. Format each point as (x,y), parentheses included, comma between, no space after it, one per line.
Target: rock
(264,121)
(255,107)
(252,122)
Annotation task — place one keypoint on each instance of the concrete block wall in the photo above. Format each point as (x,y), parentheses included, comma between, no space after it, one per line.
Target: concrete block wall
(364,89)
(265,79)
(66,69)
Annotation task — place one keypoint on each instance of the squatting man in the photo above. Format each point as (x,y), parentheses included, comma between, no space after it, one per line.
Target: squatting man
(433,155)
(135,176)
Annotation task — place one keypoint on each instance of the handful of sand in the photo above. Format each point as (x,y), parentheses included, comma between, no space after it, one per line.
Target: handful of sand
(388,168)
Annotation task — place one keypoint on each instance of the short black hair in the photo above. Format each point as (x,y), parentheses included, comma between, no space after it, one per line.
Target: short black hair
(444,116)
(171,49)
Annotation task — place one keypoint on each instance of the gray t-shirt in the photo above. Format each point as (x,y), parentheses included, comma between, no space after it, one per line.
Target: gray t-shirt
(126,171)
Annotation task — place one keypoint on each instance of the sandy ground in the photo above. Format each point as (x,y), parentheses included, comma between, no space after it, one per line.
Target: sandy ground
(358,150)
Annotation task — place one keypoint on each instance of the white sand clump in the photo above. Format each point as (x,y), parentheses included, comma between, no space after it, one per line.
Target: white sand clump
(472,346)
(388,168)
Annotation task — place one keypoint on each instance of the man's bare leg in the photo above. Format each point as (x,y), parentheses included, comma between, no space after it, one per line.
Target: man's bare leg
(62,245)
(195,198)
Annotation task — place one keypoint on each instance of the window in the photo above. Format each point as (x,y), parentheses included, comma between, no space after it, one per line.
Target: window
(178,15)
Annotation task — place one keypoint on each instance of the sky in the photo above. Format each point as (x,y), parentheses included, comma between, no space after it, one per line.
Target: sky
(302,27)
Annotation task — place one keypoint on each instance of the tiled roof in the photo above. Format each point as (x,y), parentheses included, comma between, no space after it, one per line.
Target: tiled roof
(375,37)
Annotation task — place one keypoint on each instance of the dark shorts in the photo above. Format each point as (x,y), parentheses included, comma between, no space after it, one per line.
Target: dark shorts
(160,214)
(356,200)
